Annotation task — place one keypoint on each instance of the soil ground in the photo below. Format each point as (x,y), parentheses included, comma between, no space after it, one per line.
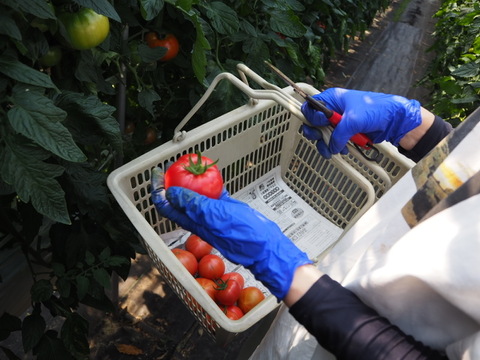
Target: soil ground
(152,323)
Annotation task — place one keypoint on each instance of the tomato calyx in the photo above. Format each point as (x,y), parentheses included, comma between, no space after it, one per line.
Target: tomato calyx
(198,168)
(221,284)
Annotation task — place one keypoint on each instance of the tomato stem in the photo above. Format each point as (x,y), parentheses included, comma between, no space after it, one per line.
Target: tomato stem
(221,284)
(198,168)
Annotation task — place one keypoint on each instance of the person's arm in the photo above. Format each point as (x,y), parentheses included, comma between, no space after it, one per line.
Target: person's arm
(419,141)
(344,325)
(244,236)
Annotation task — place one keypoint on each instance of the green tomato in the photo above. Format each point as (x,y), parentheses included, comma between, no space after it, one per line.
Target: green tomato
(85,29)
(52,57)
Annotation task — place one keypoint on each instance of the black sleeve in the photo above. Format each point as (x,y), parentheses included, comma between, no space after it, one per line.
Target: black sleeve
(345,326)
(439,129)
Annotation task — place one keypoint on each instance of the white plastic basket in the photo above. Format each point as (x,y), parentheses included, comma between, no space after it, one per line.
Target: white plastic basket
(249,142)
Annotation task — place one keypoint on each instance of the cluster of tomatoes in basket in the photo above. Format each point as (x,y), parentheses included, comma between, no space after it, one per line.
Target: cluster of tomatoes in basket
(227,289)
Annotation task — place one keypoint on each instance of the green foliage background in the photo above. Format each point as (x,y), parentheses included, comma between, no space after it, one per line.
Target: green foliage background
(455,73)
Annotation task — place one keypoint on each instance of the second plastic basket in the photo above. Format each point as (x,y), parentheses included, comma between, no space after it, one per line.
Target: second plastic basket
(249,142)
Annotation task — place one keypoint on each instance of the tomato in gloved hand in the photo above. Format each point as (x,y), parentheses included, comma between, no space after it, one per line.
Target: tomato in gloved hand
(197,173)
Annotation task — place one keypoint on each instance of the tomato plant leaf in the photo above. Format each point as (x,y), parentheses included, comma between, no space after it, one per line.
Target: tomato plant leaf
(84,110)
(33,327)
(33,179)
(9,27)
(101,7)
(52,348)
(185,5)
(36,117)
(224,18)
(18,71)
(147,98)
(287,23)
(89,71)
(83,283)
(89,187)
(201,45)
(468,70)
(41,290)
(89,258)
(102,277)
(115,260)
(149,55)
(39,8)
(465,99)
(9,353)
(74,335)
(8,324)
(64,287)
(150,9)
(257,50)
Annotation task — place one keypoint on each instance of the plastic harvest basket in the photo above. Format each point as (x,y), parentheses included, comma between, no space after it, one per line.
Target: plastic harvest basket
(249,142)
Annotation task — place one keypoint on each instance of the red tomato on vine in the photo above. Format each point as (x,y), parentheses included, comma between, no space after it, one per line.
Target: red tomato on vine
(197,173)
(170,42)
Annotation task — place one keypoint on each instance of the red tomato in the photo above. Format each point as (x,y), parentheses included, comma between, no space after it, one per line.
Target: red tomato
(197,173)
(249,298)
(232,312)
(211,267)
(169,42)
(197,246)
(209,286)
(150,37)
(227,292)
(187,259)
(130,127)
(150,136)
(234,276)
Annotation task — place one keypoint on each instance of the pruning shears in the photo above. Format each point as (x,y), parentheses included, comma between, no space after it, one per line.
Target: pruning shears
(360,141)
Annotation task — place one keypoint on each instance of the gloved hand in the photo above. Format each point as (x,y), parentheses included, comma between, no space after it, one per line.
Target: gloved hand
(240,233)
(379,116)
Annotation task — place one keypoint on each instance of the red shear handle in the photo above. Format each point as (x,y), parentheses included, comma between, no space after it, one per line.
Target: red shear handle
(361,140)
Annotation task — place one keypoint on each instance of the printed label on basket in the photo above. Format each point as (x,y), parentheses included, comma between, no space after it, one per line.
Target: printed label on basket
(309,230)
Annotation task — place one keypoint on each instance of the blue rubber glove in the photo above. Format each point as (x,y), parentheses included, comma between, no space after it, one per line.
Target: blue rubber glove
(379,116)
(240,233)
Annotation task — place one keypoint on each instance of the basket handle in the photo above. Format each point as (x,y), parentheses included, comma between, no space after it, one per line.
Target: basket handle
(270,92)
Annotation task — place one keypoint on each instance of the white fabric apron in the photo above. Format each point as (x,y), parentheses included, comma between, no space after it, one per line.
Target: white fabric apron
(421,271)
